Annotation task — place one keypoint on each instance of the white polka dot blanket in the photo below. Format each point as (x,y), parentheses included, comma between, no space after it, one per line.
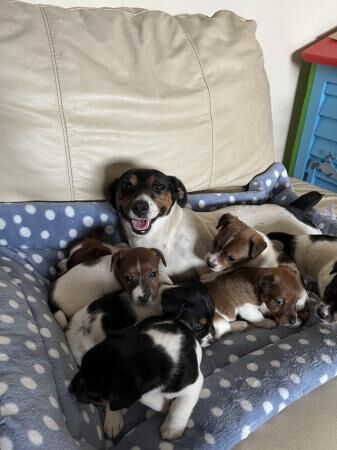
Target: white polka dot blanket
(249,377)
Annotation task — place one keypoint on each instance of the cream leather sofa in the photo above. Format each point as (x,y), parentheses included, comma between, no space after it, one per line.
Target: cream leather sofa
(86,93)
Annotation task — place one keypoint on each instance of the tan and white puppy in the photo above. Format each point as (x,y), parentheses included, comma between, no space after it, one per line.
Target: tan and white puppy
(265,297)
(316,257)
(150,206)
(236,244)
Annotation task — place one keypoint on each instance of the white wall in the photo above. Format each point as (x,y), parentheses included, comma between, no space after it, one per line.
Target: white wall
(284,26)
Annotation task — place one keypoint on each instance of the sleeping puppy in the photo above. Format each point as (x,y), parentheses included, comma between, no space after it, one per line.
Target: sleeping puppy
(236,243)
(265,297)
(86,251)
(137,272)
(81,285)
(151,204)
(316,257)
(156,361)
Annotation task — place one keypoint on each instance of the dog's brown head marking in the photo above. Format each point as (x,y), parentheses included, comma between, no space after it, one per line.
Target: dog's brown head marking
(86,251)
(141,196)
(235,243)
(282,292)
(137,271)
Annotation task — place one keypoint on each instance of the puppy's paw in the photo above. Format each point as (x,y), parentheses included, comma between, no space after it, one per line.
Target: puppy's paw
(266,323)
(238,325)
(169,431)
(113,423)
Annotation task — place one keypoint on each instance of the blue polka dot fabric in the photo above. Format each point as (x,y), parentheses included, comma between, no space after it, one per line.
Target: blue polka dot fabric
(249,377)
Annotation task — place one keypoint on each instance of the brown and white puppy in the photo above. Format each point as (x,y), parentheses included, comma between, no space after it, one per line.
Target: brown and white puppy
(237,243)
(85,283)
(265,297)
(150,206)
(316,257)
(87,251)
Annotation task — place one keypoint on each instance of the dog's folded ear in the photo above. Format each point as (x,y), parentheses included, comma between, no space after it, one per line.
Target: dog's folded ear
(115,260)
(179,191)
(112,191)
(256,245)
(172,303)
(225,220)
(265,282)
(160,256)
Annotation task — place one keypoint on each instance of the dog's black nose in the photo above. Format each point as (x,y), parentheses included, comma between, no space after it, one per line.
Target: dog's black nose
(143,299)
(140,208)
(292,320)
(210,264)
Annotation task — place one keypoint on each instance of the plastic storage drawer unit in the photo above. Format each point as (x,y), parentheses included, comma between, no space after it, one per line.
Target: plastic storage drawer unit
(315,154)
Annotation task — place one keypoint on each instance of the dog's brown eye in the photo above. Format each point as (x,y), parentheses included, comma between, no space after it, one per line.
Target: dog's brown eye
(128,278)
(159,187)
(127,186)
(230,258)
(278,301)
(153,274)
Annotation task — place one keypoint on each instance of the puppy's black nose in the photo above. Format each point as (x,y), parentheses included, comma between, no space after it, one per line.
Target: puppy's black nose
(143,299)
(210,264)
(140,208)
(292,320)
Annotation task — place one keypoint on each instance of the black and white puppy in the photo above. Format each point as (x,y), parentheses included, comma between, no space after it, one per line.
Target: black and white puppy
(316,257)
(137,272)
(190,303)
(155,362)
(151,204)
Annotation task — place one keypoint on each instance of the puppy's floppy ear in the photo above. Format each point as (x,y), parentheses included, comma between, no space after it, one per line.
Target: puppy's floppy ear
(179,191)
(115,260)
(256,245)
(266,282)
(112,191)
(172,303)
(160,255)
(225,220)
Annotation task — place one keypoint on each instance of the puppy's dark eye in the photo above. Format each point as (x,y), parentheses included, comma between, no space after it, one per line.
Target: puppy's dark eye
(153,274)
(127,186)
(278,301)
(197,326)
(159,187)
(230,258)
(128,278)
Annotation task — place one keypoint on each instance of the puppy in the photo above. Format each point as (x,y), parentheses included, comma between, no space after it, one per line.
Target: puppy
(236,243)
(137,272)
(85,283)
(156,361)
(150,207)
(265,297)
(86,251)
(316,257)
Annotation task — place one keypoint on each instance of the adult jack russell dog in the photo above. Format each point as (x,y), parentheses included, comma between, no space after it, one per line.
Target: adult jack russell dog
(151,204)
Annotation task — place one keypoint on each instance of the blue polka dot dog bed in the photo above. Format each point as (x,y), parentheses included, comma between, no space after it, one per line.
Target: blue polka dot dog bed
(249,377)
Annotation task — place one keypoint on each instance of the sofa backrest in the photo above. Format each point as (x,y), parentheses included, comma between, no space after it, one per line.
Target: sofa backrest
(87,93)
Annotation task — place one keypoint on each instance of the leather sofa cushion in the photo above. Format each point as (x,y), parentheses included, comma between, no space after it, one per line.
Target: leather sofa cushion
(87,93)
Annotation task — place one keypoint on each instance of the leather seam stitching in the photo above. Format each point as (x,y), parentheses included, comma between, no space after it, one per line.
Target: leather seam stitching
(208,92)
(60,104)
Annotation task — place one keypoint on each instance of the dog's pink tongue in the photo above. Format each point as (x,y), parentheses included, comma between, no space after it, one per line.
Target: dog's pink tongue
(140,224)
